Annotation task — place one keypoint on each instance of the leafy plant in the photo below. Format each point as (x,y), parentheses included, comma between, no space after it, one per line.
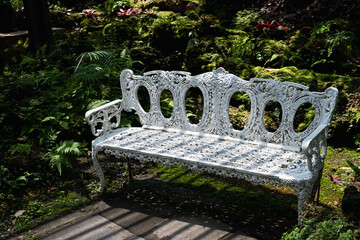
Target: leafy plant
(93,67)
(329,229)
(64,153)
(96,103)
(111,6)
(354,167)
(166,103)
(242,47)
(16,4)
(244,18)
(335,36)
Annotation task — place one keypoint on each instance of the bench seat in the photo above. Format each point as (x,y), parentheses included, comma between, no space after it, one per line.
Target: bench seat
(201,152)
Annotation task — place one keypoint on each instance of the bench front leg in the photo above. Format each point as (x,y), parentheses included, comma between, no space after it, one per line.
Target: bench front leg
(305,191)
(98,168)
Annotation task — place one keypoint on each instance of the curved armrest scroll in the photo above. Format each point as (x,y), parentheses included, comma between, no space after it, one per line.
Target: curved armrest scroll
(315,145)
(104,118)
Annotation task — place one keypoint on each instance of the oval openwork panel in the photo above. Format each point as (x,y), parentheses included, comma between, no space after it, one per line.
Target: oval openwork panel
(239,110)
(166,103)
(194,104)
(143,98)
(272,115)
(304,116)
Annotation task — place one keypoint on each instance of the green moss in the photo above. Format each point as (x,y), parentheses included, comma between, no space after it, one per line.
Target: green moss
(38,212)
(236,194)
(335,165)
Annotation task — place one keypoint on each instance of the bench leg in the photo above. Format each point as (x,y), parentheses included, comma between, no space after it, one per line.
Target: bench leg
(129,169)
(98,170)
(303,191)
(303,197)
(316,190)
(306,192)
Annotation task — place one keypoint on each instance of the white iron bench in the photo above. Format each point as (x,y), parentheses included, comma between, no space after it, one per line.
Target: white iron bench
(283,157)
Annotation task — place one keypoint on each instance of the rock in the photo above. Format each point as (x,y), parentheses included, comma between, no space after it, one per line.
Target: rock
(351,201)
(338,150)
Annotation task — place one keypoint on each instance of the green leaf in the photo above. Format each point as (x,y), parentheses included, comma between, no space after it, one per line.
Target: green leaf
(70,148)
(190,114)
(56,160)
(48,119)
(21,178)
(96,103)
(274,56)
(354,167)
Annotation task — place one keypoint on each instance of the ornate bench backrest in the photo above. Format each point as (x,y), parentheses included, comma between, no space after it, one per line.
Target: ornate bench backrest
(217,88)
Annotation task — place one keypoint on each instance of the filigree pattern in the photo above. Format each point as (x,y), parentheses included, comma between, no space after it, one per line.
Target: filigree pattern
(104,118)
(283,157)
(217,88)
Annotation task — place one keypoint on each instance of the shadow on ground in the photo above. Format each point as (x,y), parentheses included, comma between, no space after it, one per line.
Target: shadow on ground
(156,199)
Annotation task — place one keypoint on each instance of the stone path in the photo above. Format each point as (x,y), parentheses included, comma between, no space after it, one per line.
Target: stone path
(104,221)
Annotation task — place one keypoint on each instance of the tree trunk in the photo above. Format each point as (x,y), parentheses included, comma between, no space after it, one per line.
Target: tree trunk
(7,17)
(40,33)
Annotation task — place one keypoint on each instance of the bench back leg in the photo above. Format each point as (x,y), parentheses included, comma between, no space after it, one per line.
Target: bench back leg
(98,169)
(130,175)
(316,190)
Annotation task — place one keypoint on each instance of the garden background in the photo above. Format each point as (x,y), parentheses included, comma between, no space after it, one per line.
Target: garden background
(45,164)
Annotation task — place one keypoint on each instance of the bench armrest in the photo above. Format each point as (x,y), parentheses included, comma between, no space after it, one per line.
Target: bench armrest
(315,146)
(104,118)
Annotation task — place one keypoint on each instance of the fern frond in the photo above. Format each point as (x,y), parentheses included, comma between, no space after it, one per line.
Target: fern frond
(57,160)
(70,148)
(94,57)
(90,74)
(63,153)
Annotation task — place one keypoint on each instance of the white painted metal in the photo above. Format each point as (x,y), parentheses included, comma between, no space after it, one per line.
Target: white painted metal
(283,157)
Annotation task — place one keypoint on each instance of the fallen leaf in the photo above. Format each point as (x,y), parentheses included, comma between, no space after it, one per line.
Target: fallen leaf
(345,168)
(19,213)
(335,179)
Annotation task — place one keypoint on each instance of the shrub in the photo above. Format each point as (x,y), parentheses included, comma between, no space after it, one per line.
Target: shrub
(329,229)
